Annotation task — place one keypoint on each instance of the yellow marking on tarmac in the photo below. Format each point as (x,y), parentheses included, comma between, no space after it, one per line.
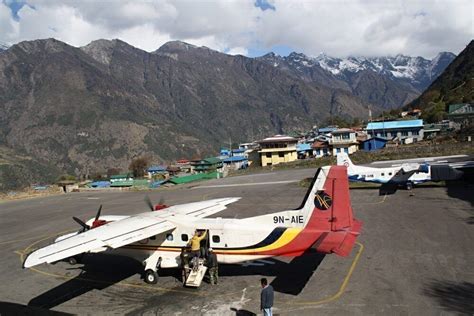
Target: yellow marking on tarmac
(374,203)
(343,285)
(20,240)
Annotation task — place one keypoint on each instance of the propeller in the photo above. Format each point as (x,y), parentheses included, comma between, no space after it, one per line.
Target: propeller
(149,203)
(85,227)
(98,213)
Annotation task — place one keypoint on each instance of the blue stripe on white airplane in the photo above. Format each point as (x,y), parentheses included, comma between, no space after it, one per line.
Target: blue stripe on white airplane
(405,174)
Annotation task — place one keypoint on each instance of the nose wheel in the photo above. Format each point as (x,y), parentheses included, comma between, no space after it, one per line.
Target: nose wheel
(151,277)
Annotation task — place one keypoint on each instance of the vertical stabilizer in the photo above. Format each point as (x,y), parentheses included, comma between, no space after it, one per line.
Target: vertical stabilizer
(327,203)
(344,160)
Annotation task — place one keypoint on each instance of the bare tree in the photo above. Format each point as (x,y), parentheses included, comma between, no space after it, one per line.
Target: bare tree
(138,166)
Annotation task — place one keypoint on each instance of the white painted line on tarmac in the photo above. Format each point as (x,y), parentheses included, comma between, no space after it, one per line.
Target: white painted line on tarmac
(243,184)
(92,198)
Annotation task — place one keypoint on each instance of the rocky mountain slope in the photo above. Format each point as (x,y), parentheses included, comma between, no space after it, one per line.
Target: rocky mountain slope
(87,109)
(454,85)
(389,82)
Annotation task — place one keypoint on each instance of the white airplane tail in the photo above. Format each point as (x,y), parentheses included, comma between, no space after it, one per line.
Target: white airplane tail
(344,160)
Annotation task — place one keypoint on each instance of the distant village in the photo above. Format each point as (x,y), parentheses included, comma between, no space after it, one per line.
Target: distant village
(316,143)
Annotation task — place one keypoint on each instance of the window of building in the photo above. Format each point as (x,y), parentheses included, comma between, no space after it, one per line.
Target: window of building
(268,155)
(346,136)
(414,133)
(404,133)
(184,237)
(281,155)
(169,237)
(216,239)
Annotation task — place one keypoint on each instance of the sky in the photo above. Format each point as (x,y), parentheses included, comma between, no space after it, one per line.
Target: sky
(338,28)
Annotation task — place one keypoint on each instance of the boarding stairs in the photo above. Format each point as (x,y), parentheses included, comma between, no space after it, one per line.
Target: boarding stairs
(195,275)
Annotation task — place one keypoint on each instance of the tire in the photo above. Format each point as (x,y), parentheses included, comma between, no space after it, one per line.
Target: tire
(409,186)
(72,260)
(151,277)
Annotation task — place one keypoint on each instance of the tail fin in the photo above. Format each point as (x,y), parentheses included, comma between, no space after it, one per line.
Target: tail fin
(328,198)
(344,160)
(328,212)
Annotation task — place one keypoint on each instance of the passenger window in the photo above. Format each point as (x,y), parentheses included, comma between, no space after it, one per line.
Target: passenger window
(169,237)
(216,239)
(184,237)
(389,173)
(383,174)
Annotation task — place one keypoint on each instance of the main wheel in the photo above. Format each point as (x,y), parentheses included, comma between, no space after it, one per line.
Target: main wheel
(151,277)
(72,260)
(409,186)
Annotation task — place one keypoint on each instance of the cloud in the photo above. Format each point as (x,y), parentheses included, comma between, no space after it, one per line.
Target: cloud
(369,27)
(337,27)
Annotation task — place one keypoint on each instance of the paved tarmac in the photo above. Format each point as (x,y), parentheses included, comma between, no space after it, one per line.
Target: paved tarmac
(414,257)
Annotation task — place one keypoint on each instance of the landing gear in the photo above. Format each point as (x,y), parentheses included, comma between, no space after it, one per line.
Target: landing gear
(409,186)
(151,277)
(75,259)
(152,264)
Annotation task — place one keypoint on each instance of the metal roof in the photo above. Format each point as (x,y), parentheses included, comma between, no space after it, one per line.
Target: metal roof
(278,138)
(303,147)
(235,159)
(395,124)
(156,169)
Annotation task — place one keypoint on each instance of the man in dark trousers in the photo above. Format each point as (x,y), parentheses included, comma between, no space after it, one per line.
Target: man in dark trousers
(213,267)
(266,298)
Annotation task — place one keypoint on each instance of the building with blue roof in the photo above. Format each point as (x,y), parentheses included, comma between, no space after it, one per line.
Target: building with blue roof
(304,150)
(405,131)
(373,143)
(236,162)
(157,170)
(327,129)
(239,152)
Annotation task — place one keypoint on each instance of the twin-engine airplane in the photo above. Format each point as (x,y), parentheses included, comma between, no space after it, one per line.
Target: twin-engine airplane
(405,175)
(324,222)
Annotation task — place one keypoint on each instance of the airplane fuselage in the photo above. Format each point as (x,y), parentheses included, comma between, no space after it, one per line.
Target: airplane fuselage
(385,175)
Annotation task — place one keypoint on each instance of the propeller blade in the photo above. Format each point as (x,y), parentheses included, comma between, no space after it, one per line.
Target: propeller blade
(80,222)
(148,202)
(98,212)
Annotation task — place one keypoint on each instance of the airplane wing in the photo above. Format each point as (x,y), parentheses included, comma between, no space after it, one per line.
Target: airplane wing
(125,231)
(400,178)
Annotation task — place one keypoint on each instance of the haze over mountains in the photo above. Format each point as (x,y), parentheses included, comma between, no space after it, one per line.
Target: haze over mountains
(95,107)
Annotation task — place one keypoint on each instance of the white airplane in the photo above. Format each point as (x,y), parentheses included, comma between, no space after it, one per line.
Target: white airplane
(403,175)
(324,222)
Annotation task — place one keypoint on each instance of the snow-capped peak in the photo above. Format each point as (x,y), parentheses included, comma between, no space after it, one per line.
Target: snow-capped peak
(400,66)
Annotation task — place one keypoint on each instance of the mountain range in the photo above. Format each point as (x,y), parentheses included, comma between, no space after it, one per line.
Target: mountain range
(389,82)
(87,109)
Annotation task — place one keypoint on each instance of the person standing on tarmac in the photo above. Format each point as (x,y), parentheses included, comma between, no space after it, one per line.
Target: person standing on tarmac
(266,298)
(213,267)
